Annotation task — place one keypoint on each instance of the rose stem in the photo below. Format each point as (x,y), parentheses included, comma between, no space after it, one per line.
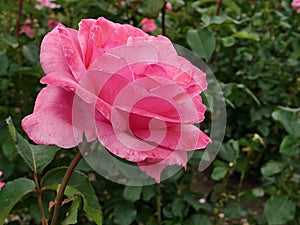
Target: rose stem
(219,4)
(18,23)
(39,192)
(65,180)
(163,23)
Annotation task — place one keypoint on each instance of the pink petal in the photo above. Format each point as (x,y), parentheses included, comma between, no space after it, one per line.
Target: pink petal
(103,31)
(122,33)
(121,143)
(154,168)
(72,51)
(90,50)
(52,57)
(56,121)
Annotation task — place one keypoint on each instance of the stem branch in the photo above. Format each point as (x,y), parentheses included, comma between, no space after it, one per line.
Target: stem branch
(63,185)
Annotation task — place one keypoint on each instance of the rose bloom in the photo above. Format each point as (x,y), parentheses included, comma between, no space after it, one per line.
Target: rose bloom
(117,84)
(148,25)
(296,5)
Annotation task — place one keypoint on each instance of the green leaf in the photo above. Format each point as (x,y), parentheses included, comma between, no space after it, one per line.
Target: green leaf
(279,210)
(3,63)
(198,219)
(290,146)
(153,8)
(289,119)
(37,157)
(78,184)
(73,212)
(228,41)
(10,40)
(149,192)
(221,19)
(132,193)
(202,42)
(31,52)
(179,208)
(246,35)
(234,211)
(219,172)
(124,214)
(271,168)
(11,194)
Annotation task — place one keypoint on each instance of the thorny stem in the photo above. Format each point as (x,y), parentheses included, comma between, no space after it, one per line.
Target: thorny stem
(18,23)
(65,180)
(39,196)
(219,4)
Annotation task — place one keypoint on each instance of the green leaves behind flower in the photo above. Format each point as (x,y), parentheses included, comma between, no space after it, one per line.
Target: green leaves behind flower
(11,194)
(279,210)
(202,42)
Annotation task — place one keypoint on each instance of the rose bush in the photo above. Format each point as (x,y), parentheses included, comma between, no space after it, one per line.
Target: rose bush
(117,84)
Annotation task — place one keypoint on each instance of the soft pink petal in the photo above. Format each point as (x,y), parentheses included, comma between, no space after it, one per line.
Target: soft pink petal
(121,34)
(90,50)
(56,121)
(117,143)
(52,56)
(72,51)
(154,167)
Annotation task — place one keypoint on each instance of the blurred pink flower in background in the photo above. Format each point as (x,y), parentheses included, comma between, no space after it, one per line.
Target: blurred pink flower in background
(1,183)
(122,3)
(28,26)
(148,25)
(169,6)
(296,5)
(52,24)
(46,3)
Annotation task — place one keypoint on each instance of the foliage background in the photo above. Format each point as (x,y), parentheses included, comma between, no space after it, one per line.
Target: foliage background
(253,48)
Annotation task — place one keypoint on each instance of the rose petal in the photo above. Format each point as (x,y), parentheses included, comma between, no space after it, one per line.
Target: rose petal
(154,168)
(52,57)
(86,34)
(73,56)
(53,122)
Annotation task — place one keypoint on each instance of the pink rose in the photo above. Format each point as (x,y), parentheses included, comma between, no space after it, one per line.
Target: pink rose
(296,5)
(148,25)
(116,84)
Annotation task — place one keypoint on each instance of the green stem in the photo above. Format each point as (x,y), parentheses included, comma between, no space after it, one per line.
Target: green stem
(63,185)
